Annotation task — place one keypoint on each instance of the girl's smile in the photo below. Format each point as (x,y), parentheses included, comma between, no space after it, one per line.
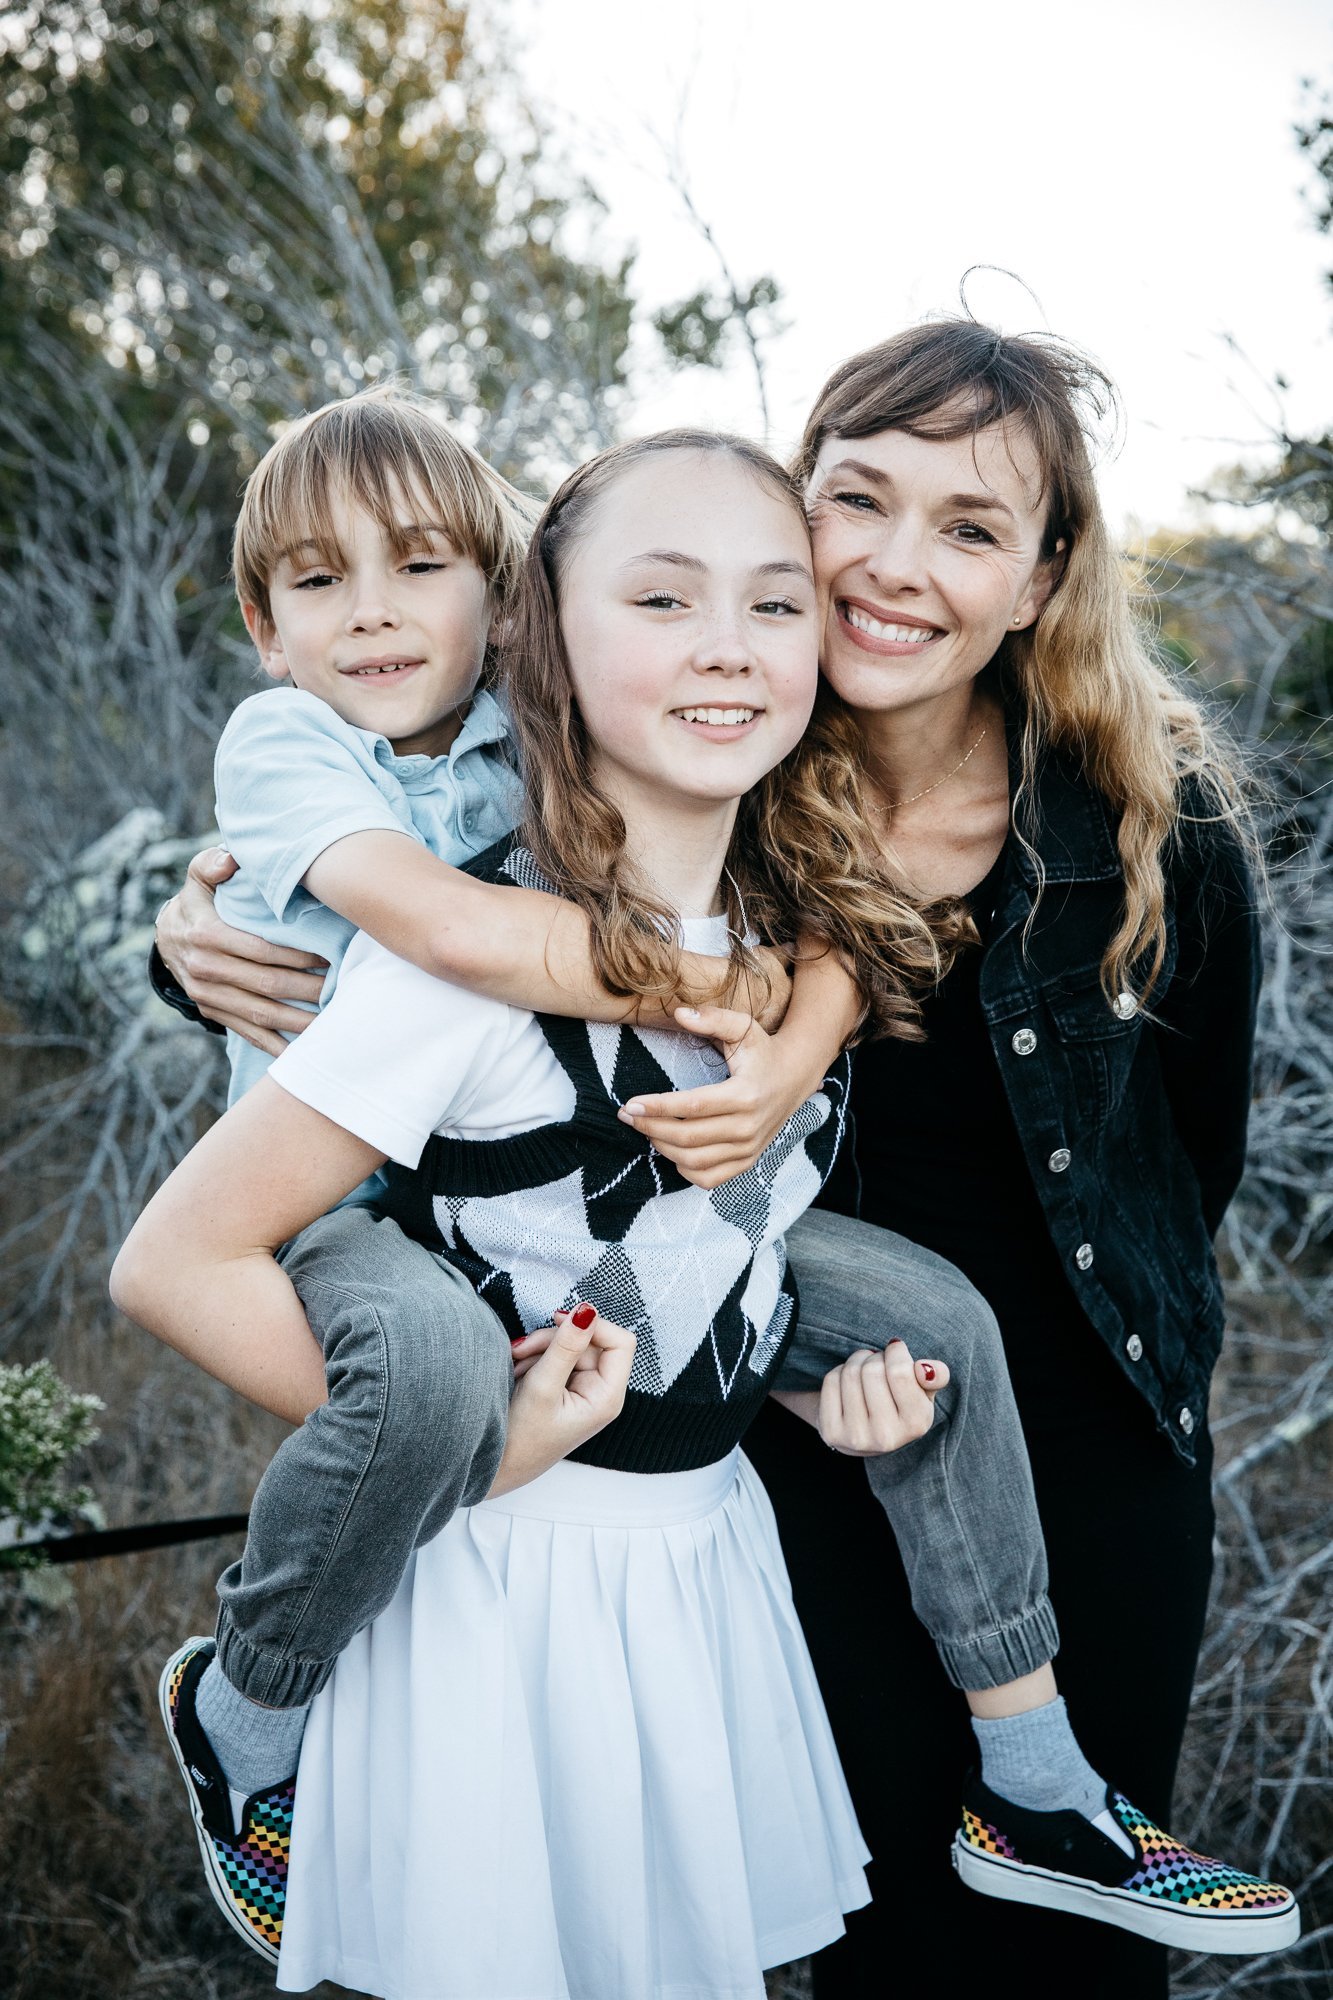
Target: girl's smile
(689,616)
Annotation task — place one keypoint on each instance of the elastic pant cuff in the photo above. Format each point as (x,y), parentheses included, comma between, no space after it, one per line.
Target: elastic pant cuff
(989,1659)
(274,1679)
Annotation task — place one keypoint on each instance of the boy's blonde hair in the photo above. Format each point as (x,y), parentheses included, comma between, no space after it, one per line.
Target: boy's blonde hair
(376,448)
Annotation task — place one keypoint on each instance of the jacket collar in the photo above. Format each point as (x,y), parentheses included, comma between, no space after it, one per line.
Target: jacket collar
(1064,817)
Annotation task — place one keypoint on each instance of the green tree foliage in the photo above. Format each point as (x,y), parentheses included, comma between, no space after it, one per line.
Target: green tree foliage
(264,205)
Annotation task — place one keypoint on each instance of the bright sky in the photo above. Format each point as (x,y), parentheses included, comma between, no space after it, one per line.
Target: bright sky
(1134,164)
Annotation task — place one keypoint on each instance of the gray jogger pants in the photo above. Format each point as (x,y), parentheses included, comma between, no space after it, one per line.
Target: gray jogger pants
(960,1499)
(420,1374)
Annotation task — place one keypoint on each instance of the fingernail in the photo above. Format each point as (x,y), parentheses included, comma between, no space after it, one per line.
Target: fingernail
(897,1340)
(927,1371)
(221,854)
(634,1109)
(690,1013)
(583,1316)
(517,1339)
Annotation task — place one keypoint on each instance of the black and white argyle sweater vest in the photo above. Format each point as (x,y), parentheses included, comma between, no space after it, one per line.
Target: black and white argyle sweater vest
(587,1209)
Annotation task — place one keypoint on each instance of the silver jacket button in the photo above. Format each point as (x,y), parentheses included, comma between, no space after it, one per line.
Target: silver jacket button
(1024,1042)
(1124,1006)
(1083,1256)
(1059,1159)
(1186,1422)
(1134,1347)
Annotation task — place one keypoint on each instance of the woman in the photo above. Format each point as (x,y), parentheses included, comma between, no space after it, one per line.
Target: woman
(1071,1129)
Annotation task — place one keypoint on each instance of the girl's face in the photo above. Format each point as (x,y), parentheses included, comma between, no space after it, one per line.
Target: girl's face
(689,618)
(927,551)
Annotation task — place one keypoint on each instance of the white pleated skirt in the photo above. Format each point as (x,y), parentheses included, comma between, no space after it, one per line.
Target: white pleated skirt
(581,1756)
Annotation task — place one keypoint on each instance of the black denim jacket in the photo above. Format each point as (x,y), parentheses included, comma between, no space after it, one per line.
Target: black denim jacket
(1132,1120)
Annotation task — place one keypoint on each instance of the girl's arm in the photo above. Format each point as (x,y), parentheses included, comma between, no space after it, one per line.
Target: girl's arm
(198,1270)
(198,1267)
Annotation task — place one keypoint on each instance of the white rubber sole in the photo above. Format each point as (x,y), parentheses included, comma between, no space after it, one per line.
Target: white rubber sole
(219,1887)
(1164,1923)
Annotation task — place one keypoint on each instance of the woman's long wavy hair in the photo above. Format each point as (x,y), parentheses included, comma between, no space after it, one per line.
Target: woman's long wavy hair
(1085,676)
(800,860)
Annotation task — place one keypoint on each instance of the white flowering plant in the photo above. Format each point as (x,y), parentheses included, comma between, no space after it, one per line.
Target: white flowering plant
(43,1422)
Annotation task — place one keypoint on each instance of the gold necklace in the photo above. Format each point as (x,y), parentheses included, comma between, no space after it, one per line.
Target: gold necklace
(886,807)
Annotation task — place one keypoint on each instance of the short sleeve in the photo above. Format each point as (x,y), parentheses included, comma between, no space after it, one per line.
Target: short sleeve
(396,1054)
(292,777)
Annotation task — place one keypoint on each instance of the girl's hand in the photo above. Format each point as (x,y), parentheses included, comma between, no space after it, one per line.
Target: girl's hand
(719,1130)
(238,980)
(573,1378)
(875,1403)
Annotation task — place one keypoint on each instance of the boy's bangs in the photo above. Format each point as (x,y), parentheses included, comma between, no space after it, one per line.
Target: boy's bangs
(401,465)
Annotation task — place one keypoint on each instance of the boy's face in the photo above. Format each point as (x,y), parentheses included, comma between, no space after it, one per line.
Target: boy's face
(392,643)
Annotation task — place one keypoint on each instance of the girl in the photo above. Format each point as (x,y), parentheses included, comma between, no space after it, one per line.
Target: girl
(1071,1128)
(630,1714)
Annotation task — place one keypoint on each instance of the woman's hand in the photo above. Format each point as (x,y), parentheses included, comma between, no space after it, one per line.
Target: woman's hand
(240,981)
(871,1403)
(719,1130)
(572,1379)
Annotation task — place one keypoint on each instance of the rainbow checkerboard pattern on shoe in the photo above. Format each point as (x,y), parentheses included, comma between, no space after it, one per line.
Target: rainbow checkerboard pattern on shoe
(988,1838)
(1159,1889)
(246,1870)
(1195,1881)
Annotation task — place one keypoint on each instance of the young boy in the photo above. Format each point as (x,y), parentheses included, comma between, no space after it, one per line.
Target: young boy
(373,556)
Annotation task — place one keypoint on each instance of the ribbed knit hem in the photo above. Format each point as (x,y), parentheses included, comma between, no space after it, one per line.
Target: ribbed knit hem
(275,1679)
(653,1434)
(989,1659)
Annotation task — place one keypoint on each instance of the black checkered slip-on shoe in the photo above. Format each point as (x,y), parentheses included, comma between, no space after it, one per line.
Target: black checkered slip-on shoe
(1167,1892)
(246,1870)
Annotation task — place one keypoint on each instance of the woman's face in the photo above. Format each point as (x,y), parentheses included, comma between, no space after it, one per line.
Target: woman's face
(927,551)
(689,616)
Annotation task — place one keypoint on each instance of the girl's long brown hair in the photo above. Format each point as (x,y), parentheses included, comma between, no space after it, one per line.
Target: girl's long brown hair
(800,860)
(1086,676)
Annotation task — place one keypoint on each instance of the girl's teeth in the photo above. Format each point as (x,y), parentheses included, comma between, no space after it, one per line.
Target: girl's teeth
(897,635)
(717,715)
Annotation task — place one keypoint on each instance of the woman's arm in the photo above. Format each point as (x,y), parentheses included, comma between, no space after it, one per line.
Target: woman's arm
(198,1268)
(1206,1021)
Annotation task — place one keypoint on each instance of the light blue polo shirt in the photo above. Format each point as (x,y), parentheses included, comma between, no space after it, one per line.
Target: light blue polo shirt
(292,777)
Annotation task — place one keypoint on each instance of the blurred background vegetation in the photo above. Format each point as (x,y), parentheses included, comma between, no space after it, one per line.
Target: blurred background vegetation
(215,214)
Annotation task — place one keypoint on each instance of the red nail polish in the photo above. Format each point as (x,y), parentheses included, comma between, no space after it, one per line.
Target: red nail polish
(897,1340)
(927,1371)
(583,1316)
(517,1339)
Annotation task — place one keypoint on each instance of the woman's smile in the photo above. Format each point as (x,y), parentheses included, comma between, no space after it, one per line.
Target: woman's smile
(882,631)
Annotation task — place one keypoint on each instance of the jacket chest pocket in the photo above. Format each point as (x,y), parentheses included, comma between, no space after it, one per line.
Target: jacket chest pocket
(1100,1037)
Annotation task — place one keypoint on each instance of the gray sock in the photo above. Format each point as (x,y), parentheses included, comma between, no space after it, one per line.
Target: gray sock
(256,1747)
(1033,1760)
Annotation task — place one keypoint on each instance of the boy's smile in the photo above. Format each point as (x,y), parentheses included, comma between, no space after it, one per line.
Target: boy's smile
(389,631)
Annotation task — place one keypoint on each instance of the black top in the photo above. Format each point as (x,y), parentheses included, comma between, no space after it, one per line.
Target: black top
(933,1152)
